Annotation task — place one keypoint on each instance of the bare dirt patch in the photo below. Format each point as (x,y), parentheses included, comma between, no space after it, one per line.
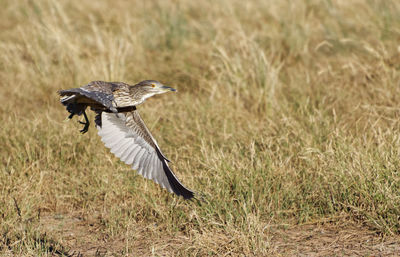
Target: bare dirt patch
(334,240)
(80,236)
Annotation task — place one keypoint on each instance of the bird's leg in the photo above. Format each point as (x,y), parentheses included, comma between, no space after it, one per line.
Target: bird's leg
(86,123)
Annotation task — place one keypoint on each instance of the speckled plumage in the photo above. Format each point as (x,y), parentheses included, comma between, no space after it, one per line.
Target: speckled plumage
(110,95)
(121,127)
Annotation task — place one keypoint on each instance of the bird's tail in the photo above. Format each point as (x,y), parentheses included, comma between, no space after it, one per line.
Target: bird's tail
(65,100)
(68,99)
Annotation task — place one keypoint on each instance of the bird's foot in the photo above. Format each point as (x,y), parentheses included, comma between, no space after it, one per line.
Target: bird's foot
(86,123)
(85,128)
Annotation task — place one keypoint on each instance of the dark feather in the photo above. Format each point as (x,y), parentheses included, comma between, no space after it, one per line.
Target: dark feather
(97,96)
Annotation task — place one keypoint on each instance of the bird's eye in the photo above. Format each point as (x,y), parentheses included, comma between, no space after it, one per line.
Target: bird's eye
(152,85)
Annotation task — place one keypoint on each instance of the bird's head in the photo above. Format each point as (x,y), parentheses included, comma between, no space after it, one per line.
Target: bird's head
(148,88)
(153,87)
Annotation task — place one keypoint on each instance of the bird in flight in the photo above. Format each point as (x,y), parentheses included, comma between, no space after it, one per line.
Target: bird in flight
(122,129)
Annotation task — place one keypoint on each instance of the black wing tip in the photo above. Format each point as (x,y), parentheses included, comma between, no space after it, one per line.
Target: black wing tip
(186,194)
(176,185)
(180,190)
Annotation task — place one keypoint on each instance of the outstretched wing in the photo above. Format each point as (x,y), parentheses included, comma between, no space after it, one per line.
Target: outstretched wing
(99,92)
(130,140)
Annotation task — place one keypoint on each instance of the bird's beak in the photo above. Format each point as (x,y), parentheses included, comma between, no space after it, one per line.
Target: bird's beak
(166,88)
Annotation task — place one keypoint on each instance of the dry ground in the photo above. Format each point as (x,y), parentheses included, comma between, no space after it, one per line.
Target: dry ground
(286,120)
(75,235)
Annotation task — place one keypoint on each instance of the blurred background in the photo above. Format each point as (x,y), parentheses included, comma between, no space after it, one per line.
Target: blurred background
(286,119)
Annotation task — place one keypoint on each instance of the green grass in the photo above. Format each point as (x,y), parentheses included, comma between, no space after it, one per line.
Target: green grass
(287,113)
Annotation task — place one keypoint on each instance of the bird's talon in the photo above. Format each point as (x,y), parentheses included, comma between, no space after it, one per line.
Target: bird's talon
(86,123)
(84,130)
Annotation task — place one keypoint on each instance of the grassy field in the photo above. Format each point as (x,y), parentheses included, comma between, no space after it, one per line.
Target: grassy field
(286,119)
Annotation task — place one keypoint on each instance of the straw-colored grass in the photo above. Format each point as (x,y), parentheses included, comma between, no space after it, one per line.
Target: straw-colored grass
(287,113)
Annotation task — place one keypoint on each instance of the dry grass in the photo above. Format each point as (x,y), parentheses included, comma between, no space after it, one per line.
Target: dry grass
(287,114)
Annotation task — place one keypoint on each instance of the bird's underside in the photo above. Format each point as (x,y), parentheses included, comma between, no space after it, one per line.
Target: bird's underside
(122,129)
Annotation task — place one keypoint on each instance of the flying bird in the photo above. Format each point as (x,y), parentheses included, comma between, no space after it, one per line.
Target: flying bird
(122,129)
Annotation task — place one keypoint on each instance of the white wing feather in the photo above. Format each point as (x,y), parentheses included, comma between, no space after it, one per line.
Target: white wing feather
(127,144)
